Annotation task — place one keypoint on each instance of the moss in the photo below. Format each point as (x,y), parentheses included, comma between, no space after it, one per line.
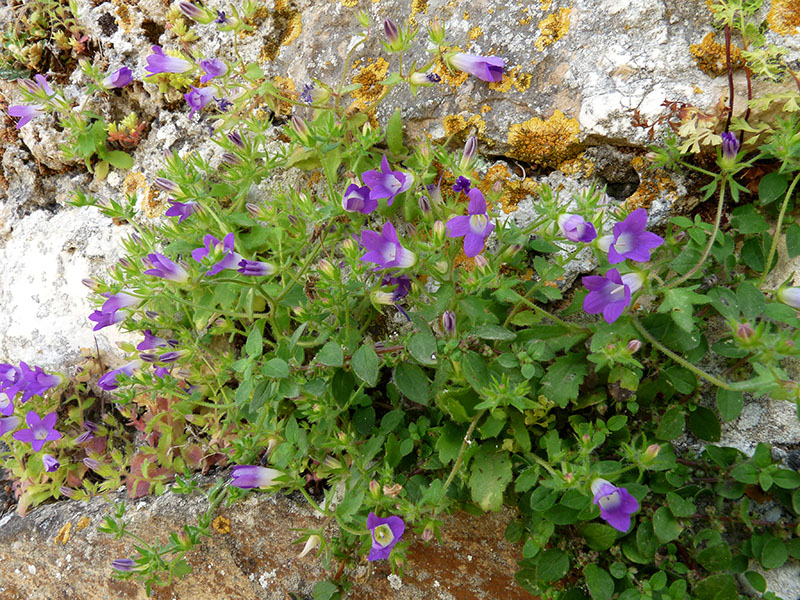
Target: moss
(544,143)
(784,17)
(710,56)
(553,28)
(370,77)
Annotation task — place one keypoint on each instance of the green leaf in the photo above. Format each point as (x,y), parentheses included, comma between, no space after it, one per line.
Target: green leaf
(705,425)
(412,383)
(715,558)
(494,332)
(753,255)
(276,368)
(716,587)
(730,404)
(254,345)
(331,355)
(394,133)
(745,473)
(475,370)
(771,187)
(365,364)
(773,554)
(181,568)
(786,479)
(680,507)
(747,220)
(679,304)
(101,170)
(449,442)
(599,582)
(253,71)
(491,473)
(671,424)
(543,498)
(757,581)
(665,525)
(119,159)
(422,346)
(553,564)
(751,300)
(563,378)
(598,536)
(527,479)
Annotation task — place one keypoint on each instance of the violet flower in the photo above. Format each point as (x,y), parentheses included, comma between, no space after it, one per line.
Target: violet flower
(10,376)
(123,564)
(27,112)
(255,268)
(357,199)
(449,322)
(158,62)
(119,78)
(229,260)
(119,300)
(105,319)
(576,229)
(475,227)
(35,382)
(8,424)
(160,372)
(730,146)
(40,430)
(631,240)
(161,266)
(6,406)
(252,476)
(213,68)
(151,341)
(385,250)
(616,504)
(386,183)
(402,283)
(181,209)
(41,86)
(306,95)
(787,295)
(610,294)
(199,97)
(385,534)
(109,381)
(462,184)
(167,185)
(51,464)
(486,68)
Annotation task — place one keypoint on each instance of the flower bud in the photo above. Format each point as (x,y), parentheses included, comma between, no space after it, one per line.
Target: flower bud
(236,139)
(91,284)
(363,18)
(196,13)
(375,489)
(744,332)
(167,185)
(730,145)
(442,266)
(301,129)
(254,210)
(651,452)
(481,263)
(790,296)
(427,533)
(469,153)
(425,205)
(229,158)
(439,231)
(633,346)
(312,542)
(327,268)
(449,322)
(391,31)
(436,32)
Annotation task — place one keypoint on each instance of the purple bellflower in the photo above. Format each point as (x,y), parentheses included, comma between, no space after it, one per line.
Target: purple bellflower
(161,266)
(199,97)
(730,146)
(213,68)
(109,382)
(158,62)
(462,184)
(8,424)
(386,183)
(6,406)
(224,248)
(610,294)
(475,227)
(252,476)
(123,564)
(787,295)
(306,95)
(385,534)
(160,372)
(385,250)
(27,112)
(403,283)
(105,319)
(357,199)
(40,430)
(151,341)
(10,378)
(255,268)
(576,229)
(119,78)
(41,86)
(34,382)
(51,464)
(486,68)
(631,240)
(119,300)
(616,504)
(449,322)
(182,210)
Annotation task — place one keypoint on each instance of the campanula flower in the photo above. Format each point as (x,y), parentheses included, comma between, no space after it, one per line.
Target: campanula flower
(616,504)
(252,476)
(40,430)
(385,250)
(109,381)
(167,185)
(34,382)
(123,564)
(199,97)
(151,341)
(449,322)
(161,266)
(158,62)
(730,146)
(51,465)
(6,406)
(224,248)
(386,532)
(306,95)
(8,424)
(462,184)
(576,229)
(40,87)
(402,283)
(610,294)
(255,268)
(386,183)
(357,199)
(10,376)
(630,239)
(105,319)
(486,68)
(119,78)
(27,112)
(787,295)
(182,210)
(213,68)
(475,227)
(470,148)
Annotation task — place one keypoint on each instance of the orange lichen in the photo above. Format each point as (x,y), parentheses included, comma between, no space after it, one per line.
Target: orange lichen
(513,191)
(544,143)
(417,7)
(513,78)
(63,534)
(577,166)
(221,525)
(370,77)
(286,26)
(286,88)
(349,3)
(553,28)
(475,33)
(466,16)
(133,181)
(784,17)
(82,523)
(153,203)
(461,128)
(710,56)
(653,183)
(485,108)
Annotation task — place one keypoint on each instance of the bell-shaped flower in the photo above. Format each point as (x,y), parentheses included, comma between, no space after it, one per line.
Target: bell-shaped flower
(8,424)
(252,476)
(357,199)
(576,229)
(616,504)
(119,78)
(182,210)
(213,68)
(385,250)
(631,240)
(386,183)
(223,250)
(486,68)
(109,381)
(610,294)
(158,62)
(255,268)
(40,430)
(198,98)
(386,532)
(475,227)
(161,266)
(27,112)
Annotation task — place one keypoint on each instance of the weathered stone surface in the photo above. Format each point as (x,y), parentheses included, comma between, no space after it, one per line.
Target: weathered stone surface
(256,560)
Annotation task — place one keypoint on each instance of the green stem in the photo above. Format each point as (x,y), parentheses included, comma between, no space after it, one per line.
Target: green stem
(221,312)
(776,237)
(711,240)
(461,451)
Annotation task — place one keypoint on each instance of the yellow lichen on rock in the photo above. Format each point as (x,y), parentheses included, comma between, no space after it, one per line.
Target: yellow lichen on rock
(452,78)
(460,128)
(553,28)
(544,143)
(513,191)
(63,534)
(417,7)
(653,183)
(784,16)
(286,87)
(475,33)
(349,3)
(133,181)
(370,77)
(711,56)
(513,78)
(577,166)
(82,523)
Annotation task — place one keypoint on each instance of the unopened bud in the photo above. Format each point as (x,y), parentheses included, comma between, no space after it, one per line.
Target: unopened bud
(375,489)
(236,139)
(326,268)
(442,266)
(363,18)
(229,158)
(167,185)
(439,231)
(481,263)
(301,129)
(425,205)
(436,32)
(332,463)
(469,153)
(449,322)
(254,210)
(380,298)
(91,284)
(651,452)
(312,542)
(633,346)
(744,332)
(427,533)
(391,31)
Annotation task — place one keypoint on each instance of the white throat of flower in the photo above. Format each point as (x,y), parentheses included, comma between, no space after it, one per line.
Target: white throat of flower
(477,223)
(383,535)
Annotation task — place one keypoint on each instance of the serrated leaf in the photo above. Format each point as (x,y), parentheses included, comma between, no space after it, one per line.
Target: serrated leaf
(276,368)
(679,304)
(494,332)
